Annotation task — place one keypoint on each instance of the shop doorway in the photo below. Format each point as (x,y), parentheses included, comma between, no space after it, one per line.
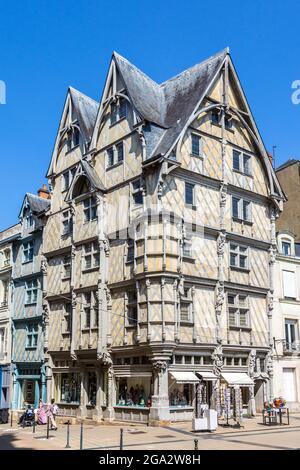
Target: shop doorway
(29,391)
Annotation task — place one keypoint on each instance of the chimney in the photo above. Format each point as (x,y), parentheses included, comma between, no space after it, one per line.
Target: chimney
(43,192)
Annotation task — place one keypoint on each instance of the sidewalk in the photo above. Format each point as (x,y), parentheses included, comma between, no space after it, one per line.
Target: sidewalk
(179,436)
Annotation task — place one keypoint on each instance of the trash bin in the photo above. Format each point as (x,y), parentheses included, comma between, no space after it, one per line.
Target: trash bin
(4,413)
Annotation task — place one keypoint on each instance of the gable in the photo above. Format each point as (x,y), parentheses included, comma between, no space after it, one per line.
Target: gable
(75,130)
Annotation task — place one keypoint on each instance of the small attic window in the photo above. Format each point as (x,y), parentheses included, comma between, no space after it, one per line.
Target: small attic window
(72,138)
(118,111)
(28,217)
(81,186)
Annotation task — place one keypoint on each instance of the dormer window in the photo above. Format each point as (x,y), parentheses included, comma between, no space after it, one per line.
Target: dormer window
(286,248)
(216,119)
(28,218)
(118,111)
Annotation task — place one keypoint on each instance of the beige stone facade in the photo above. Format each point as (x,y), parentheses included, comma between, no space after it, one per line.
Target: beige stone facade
(159,262)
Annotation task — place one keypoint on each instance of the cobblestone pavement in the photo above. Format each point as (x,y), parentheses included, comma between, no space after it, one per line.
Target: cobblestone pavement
(253,436)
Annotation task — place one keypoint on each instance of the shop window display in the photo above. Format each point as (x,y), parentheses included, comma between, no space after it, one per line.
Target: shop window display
(131,393)
(92,388)
(70,388)
(181,395)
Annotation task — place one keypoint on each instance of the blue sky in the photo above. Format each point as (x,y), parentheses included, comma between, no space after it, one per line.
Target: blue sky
(47,45)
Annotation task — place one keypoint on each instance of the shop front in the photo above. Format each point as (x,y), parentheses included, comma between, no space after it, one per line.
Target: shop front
(133,396)
(182,394)
(29,385)
(67,387)
(236,395)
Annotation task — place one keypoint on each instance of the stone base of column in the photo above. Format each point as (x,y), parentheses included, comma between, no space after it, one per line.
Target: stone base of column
(109,414)
(159,411)
(252,407)
(82,412)
(97,415)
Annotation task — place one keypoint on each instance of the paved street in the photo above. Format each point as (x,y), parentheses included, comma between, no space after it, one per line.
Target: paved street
(253,436)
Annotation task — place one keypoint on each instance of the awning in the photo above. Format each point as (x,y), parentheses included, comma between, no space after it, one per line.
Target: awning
(205,375)
(185,377)
(237,378)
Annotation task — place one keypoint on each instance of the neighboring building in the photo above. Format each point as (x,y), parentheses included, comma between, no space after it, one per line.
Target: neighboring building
(160,247)
(288,175)
(286,321)
(7,237)
(27,321)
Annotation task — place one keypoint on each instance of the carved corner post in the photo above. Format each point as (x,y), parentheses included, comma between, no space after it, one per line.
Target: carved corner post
(162,290)
(148,286)
(125,305)
(74,327)
(195,338)
(83,392)
(110,389)
(251,372)
(160,409)
(218,362)
(98,413)
(138,299)
(220,291)
(176,311)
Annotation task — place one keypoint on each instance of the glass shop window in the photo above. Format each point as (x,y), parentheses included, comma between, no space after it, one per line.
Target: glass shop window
(92,388)
(70,388)
(181,395)
(131,393)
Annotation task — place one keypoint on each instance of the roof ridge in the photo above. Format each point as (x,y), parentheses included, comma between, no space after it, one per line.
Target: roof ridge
(117,55)
(224,52)
(72,90)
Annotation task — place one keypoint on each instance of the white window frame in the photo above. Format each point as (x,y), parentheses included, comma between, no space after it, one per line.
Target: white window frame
(28,251)
(289,285)
(68,176)
(185,193)
(32,336)
(32,288)
(67,267)
(136,188)
(236,309)
(239,253)
(91,251)
(117,115)
(89,205)
(67,318)
(241,201)
(2,340)
(286,242)
(67,223)
(243,156)
(90,310)
(132,309)
(199,137)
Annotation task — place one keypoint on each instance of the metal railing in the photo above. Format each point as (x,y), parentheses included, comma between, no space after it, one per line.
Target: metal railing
(291,347)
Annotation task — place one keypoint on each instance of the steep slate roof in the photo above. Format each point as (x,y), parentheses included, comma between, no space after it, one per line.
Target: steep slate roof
(86,111)
(289,162)
(170,104)
(37,204)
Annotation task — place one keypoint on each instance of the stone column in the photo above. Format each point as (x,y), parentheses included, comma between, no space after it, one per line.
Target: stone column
(160,409)
(110,394)
(83,393)
(97,414)
(49,377)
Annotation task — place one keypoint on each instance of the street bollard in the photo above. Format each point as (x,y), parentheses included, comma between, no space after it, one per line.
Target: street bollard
(48,421)
(68,436)
(81,435)
(11,419)
(33,426)
(196,444)
(121,438)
